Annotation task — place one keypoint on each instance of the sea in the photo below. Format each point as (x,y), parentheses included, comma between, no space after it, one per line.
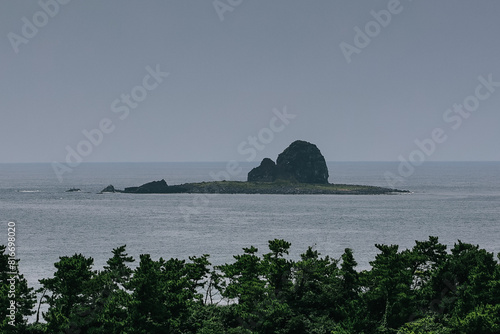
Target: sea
(451,200)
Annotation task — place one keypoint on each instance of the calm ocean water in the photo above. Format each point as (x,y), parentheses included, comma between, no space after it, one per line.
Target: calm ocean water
(449,200)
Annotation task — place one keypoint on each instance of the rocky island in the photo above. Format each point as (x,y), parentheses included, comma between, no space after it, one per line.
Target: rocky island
(299,169)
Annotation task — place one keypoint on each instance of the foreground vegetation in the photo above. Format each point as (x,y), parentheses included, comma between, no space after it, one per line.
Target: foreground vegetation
(420,290)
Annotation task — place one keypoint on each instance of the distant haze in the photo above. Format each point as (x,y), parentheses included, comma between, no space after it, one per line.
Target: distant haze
(121,80)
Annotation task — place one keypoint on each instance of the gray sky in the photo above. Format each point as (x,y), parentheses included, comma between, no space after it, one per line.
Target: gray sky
(228,71)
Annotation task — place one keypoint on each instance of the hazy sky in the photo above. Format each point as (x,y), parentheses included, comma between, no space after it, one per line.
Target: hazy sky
(361,85)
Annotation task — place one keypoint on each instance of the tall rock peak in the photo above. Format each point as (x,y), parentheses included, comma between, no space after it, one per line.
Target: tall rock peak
(300,162)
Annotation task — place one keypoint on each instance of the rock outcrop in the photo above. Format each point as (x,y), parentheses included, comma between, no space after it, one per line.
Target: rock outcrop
(299,169)
(108,189)
(266,172)
(300,162)
(155,187)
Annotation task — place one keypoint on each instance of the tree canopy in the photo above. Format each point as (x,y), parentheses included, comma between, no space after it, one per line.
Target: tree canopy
(425,289)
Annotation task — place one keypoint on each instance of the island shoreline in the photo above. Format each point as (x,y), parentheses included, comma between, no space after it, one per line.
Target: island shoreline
(299,170)
(264,188)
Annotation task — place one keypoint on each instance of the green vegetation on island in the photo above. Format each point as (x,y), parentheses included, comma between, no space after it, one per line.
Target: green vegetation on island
(299,169)
(281,187)
(424,289)
(284,187)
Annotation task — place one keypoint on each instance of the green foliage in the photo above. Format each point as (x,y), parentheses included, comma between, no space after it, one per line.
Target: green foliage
(389,296)
(317,285)
(70,291)
(112,297)
(281,187)
(484,319)
(418,290)
(424,326)
(243,282)
(14,294)
(164,292)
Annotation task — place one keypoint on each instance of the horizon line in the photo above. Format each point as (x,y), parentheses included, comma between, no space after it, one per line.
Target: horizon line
(244,162)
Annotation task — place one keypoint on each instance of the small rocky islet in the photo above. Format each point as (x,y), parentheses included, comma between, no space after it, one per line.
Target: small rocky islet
(299,169)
